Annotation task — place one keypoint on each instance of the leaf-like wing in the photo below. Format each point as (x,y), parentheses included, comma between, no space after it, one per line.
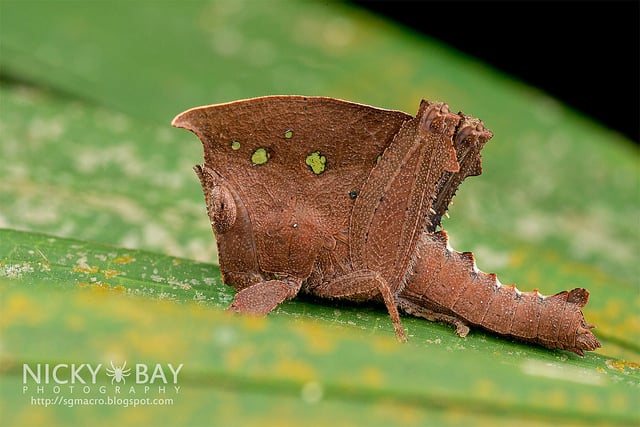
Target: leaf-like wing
(392,208)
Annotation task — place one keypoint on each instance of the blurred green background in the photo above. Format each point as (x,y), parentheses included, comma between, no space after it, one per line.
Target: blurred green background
(106,253)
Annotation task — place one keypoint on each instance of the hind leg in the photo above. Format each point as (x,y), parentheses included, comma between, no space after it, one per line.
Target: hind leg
(462,329)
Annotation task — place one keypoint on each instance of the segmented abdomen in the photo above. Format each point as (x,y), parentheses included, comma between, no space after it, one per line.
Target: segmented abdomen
(448,282)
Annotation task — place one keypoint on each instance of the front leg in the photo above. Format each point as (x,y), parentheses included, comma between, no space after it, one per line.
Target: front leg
(363,285)
(260,299)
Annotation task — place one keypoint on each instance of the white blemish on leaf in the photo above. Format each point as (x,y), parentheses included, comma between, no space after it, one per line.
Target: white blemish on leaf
(260,53)
(547,110)
(154,234)
(166,296)
(122,156)
(15,271)
(224,336)
(533,227)
(112,121)
(492,259)
(199,296)
(210,281)
(338,32)
(164,135)
(41,130)
(130,240)
(82,262)
(178,284)
(225,299)
(562,372)
(312,392)
(227,42)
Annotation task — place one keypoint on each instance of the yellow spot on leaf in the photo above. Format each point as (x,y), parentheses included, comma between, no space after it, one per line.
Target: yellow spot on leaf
(372,376)
(75,322)
(253,323)
(619,402)
(557,398)
(614,308)
(517,259)
(588,400)
(126,259)
(111,273)
(621,365)
(21,310)
(33,417)
(318,340)
(295,369)
(384,344)
(101,287)
(485,387)
(237,357)
(85,269)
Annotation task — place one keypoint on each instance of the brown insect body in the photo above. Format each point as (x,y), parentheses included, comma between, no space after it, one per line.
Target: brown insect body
(342,200)
(446,285)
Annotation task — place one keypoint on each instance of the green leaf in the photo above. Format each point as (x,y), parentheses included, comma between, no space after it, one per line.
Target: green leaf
(105,304)
(87,92)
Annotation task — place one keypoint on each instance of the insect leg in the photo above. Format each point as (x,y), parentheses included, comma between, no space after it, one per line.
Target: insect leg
(462,329)
(363,285)
(263,297)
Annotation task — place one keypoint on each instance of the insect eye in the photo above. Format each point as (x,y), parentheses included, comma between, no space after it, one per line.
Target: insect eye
(222,209)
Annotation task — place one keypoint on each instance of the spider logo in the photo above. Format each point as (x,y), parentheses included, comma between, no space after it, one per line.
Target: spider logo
(118,373)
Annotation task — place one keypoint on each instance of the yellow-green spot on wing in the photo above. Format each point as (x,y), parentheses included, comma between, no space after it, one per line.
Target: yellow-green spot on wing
(288,134)
(260,156)
(235,145)
(317,162)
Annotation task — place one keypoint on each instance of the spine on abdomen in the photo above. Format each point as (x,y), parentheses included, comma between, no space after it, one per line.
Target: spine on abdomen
(448,283)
